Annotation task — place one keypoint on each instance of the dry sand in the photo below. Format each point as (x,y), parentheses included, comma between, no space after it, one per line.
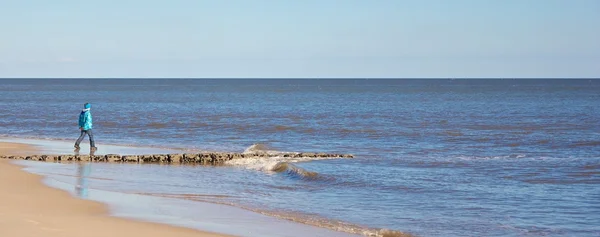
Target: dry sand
(29,208)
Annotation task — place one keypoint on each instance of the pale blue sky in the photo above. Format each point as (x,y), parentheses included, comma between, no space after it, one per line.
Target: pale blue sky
(300,38)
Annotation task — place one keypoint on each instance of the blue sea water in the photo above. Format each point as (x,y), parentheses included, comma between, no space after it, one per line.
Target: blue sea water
(432,157)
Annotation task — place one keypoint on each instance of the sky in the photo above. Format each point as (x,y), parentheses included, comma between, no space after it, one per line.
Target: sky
(300,38)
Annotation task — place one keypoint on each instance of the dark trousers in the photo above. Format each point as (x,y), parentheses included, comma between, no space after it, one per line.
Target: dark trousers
(83,133)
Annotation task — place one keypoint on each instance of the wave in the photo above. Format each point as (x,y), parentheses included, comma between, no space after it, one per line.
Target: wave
(500,157)
(281,128)
(295,171)
(156,125)
(330,224)
(298,217)
(278,164)
(585,143)
(259,148)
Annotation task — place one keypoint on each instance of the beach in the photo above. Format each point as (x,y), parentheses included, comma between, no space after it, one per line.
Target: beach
(29,208)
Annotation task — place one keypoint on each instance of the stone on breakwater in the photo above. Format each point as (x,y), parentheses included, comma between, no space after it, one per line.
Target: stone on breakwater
(100,158)
(175,158)
(190,158)
(146,158)
(130,159)
(83,158)
(65,158)
(158,158)
(111,158)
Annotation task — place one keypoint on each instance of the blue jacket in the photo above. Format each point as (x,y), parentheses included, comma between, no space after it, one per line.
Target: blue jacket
(85,120)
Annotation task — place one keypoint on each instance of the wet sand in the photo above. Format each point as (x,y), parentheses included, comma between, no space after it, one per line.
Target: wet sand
(12,148)
(29,208)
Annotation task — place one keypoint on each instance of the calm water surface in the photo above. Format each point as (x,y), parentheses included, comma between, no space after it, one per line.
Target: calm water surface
(433,157)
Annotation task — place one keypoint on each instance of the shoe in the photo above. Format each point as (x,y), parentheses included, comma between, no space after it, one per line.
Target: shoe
(77,148)
(93,148)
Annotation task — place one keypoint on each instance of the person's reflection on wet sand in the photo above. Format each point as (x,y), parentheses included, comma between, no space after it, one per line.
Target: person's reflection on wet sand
(83,171)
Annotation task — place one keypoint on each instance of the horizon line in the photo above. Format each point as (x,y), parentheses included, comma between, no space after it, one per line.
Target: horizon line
(320,78)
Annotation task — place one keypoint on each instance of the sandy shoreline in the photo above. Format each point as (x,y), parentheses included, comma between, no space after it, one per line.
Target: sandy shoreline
(11,148)
(29,208)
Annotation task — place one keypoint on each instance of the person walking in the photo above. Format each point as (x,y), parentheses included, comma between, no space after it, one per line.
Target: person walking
(85,126)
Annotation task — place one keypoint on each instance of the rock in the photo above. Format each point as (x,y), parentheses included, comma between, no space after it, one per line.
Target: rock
(222,158)
(202,158)
(130,159)
(205,159)
(158,158)
(189,158)
(103,158)
(113,158)
(145,158)
(82,158)
(174,158)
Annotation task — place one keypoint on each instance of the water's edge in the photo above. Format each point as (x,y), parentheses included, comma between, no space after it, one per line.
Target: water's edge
(217,218)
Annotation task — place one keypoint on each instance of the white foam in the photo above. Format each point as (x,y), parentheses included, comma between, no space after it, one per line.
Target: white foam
(267,164)
(262,148)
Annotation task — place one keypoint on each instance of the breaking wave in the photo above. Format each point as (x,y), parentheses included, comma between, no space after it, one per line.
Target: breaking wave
(277,164)
(294,171)
(259,148)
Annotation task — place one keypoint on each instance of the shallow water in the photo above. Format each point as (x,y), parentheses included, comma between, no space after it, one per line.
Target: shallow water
(174,211)
(433,157)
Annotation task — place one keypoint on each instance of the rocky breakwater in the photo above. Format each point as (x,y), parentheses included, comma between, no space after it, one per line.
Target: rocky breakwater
(212,158)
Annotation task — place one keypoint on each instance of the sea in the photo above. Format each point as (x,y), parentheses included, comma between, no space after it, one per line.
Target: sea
(432,157)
